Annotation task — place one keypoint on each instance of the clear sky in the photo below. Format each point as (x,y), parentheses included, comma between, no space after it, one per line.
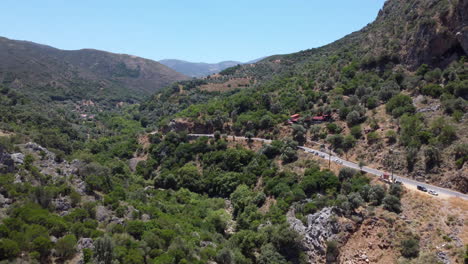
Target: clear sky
(193,30)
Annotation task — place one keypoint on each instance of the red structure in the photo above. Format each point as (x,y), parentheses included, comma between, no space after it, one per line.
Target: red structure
(321,118)
(294,118)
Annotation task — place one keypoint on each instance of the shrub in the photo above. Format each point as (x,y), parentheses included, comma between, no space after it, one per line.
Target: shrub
(336,141)
(65,246)
(346,174)
(376,194)
(333,251)
(104,250)
(433,90)
(399,105)
(43,245)
(392,203)
(410,248)
(334,128)
(8,249)
(356,132)
(373,137)
(432,157)
(391,136)
(353,118)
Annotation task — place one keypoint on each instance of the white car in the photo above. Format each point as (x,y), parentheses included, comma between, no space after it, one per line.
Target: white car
(432,192)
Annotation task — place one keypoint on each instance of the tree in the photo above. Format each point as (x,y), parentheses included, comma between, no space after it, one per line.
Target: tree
(315,131)
(65,246)
(8,249)
(396,190)
(346,174)
(399,105)
(104,250)
(376,194)
(299,133)
(392,203)
(348,143)
(355,200)
(43,245)
(433,90)
(269,255)
(134,257)
(136,228)
(356,132)
(336,141)
(353,118)
(217,135)
(411,158)
(432,157)
(361,164)
(249,136)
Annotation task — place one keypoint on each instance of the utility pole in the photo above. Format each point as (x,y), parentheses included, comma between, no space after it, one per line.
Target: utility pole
(393,162)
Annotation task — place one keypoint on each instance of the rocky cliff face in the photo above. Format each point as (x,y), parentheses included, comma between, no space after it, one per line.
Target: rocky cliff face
(322,227)
(434,32)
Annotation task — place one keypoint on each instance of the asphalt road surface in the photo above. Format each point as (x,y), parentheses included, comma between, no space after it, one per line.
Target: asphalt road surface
(349,164)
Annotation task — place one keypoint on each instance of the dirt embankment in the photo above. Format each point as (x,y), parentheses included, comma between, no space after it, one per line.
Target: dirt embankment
(440,224)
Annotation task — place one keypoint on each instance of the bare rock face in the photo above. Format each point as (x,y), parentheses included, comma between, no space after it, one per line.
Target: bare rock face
(62,204)
(102,213)
(37,148)
(85,243)
(18,158)
(321,227)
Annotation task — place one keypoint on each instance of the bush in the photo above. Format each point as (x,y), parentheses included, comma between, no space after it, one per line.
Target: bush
(104,250)
(392,203)
(336,141)
(333,250)
(433,90)
(373,137)
(432,157)
(65,246)
(356,131)
(399,105)
(8,249)
(410,248)
(43,245)
(353,118)
(346,174)
(391,136)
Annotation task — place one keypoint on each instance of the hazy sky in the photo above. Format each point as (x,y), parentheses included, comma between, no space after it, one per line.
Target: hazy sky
(195,30)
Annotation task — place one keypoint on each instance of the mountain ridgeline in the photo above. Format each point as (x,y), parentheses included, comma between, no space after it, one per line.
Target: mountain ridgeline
(79,74)
(201,69)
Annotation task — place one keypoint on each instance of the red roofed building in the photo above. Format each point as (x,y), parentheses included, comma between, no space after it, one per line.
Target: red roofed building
(294,118)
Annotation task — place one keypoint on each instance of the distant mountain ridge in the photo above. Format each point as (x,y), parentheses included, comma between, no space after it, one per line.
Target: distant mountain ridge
(79,74)
(201,69)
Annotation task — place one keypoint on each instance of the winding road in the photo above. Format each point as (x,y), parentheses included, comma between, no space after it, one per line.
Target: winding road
(443,192)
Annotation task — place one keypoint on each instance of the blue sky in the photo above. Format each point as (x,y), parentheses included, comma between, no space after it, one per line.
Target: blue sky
(195,30)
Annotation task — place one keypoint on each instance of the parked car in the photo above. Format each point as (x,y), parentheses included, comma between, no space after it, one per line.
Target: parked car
(432,192)
(398,182)
(422,188)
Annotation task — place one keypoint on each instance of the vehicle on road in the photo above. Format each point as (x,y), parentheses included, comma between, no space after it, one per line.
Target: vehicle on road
(422,188)
(432,192)
(398,182)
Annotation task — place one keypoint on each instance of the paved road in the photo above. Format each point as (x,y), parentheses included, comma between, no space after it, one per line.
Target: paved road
(338,160)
